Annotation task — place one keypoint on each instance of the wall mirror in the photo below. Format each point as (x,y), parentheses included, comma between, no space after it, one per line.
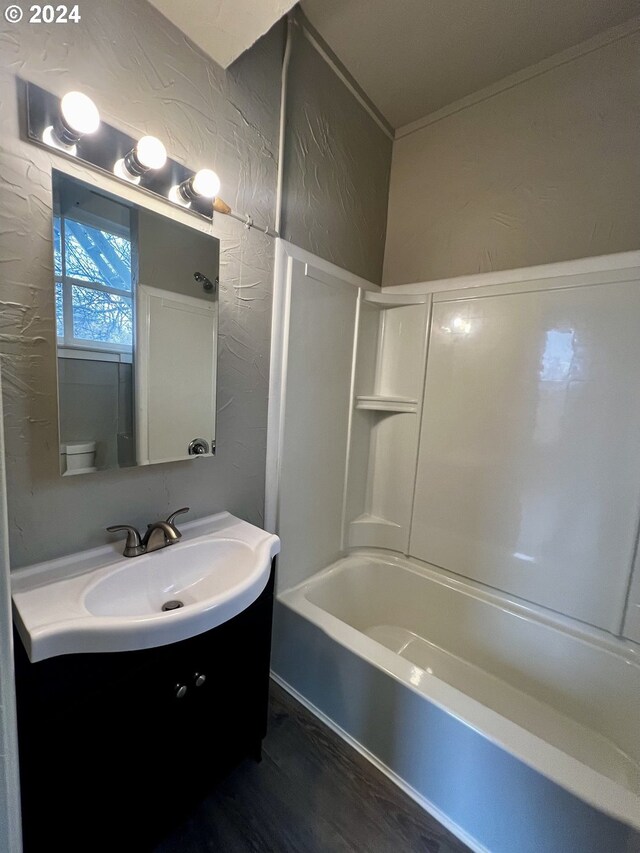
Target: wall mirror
(137,326)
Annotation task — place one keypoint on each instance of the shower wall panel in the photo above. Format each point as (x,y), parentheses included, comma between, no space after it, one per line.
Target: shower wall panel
(529,465)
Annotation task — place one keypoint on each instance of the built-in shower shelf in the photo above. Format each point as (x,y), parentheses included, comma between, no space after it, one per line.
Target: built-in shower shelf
(384,403)
(371,531)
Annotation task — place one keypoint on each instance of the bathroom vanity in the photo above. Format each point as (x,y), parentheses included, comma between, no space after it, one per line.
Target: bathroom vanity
(117,746)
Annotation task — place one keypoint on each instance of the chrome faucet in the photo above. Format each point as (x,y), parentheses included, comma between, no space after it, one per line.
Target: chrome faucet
(158,535)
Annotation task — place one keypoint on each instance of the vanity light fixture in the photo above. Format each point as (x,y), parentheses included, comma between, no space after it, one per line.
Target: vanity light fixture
(149,153)
(204,184)
(63,123)
(78,116)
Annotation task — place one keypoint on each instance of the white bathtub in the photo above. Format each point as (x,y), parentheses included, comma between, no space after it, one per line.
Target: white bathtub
(493,713)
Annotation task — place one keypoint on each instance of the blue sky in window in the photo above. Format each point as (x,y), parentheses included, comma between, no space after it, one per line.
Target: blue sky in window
(93,255)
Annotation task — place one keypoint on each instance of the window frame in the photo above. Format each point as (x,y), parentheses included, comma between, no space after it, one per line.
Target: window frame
(68,341)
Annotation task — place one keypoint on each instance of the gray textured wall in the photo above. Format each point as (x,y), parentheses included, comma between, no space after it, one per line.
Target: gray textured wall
(145,77)
(336,171)
(544,171)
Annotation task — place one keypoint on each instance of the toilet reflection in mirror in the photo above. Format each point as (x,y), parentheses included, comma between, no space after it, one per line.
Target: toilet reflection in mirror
(136,332)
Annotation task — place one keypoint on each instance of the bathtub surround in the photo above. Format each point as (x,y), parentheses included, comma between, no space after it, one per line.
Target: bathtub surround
(534,170)
(315,302)
(524,359)
(529,430)
(546,739)
(207,117)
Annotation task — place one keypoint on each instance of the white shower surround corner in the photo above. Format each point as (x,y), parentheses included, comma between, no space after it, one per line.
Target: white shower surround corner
(460,692)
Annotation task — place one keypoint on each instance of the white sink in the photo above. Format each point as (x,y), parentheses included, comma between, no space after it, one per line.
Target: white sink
(100,601)
(202,570)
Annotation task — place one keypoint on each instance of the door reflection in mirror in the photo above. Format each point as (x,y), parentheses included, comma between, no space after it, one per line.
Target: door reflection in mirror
(136,331)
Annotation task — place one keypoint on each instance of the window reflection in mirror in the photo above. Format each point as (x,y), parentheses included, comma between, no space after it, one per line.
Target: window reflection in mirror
(136,332)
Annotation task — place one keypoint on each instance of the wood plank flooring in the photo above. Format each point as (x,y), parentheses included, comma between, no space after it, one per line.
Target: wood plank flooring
(312,793)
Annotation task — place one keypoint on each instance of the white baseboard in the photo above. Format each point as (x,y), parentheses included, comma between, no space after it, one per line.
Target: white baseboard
(425,804)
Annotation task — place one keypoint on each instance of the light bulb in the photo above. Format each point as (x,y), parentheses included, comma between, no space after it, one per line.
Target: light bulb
(78,116)
(151,153)
(206,183)
(79,113)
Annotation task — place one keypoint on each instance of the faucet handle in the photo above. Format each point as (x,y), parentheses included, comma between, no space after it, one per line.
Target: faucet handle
(172,517)
(133,544)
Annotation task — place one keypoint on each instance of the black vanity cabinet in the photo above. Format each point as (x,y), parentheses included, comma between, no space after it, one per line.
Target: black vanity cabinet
(116,747)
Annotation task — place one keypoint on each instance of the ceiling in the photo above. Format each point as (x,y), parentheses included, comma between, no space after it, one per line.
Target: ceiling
(223,29)
(413,57)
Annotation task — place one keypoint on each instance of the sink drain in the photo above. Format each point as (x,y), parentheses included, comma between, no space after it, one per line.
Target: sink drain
(172,605)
